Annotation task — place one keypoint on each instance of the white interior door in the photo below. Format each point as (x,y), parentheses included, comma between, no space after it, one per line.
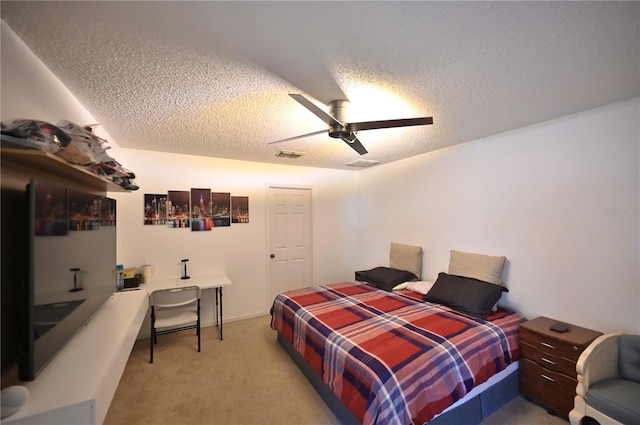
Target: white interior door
(289,233)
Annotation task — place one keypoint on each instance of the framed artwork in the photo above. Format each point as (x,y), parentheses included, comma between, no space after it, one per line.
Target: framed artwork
(201,210)
(155,209)
(50,209)
(239,209)
(178,208)
(221,209)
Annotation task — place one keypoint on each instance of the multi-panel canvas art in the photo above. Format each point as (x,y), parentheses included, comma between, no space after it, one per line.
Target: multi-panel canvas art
(201,210)
(198,209)
(221,209)
(178,208)
(155,209)
(239,209)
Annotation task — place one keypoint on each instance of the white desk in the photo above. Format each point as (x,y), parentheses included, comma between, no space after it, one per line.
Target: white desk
(214,281)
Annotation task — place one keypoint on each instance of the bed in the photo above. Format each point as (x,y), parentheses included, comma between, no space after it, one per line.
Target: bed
(381,356)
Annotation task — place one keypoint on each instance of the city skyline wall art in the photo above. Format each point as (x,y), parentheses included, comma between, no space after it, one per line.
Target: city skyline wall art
(155,208)
(198,209)
(201,207)
(239,209)
(178,208)
(221,209)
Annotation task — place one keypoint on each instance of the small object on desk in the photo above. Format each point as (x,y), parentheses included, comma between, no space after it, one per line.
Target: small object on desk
(184,276)
(75,271)
(132,282)
(119,277)
(13,398)
(560,327)
(129,273)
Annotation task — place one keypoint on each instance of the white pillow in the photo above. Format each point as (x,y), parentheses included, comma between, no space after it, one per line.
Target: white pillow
(420,286)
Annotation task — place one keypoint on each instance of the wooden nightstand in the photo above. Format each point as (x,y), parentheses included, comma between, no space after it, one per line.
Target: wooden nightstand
(548,363)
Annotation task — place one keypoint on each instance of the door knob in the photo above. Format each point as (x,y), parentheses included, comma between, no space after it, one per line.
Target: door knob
(273,256)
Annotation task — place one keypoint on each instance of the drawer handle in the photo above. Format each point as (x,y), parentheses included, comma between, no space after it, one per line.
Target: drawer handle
(548,345)
(548,361)
(547,378)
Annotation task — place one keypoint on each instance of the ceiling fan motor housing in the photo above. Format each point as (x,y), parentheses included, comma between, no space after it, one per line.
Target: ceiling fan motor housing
(339,109)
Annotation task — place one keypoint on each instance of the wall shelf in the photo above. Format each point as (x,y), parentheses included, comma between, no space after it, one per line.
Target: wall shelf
(46,162)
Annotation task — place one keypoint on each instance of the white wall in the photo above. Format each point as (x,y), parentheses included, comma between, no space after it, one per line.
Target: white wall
(560,200)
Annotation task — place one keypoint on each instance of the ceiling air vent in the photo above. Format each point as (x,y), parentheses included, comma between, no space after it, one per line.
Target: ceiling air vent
(362,163)
(290,154)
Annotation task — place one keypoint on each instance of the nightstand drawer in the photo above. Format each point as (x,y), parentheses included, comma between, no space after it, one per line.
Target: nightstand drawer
(551,389)
(547,360)
(551,346)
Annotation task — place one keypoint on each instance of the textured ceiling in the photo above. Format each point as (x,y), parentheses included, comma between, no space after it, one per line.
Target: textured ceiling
(212,78)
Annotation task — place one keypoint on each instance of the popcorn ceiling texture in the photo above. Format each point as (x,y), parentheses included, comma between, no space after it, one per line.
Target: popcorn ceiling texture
(212,78)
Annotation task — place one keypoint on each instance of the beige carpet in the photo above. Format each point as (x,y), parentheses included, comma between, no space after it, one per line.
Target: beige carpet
(246,379)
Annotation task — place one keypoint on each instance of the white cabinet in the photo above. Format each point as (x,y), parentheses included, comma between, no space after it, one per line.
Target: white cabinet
(77,386)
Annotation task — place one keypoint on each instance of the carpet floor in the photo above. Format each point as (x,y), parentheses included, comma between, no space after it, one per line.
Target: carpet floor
(246,379)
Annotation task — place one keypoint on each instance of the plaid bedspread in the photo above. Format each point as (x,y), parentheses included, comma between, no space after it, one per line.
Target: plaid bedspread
(391,357)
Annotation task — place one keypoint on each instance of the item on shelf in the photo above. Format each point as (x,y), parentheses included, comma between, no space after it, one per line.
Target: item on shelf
(115,172)
(33,134)
(85,148)
(71,142)
(90,150)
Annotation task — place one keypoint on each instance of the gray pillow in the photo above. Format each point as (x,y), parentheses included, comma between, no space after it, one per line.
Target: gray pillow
(385,277)
(466,294)
(629,357)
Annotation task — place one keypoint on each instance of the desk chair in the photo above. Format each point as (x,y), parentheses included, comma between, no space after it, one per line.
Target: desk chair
(174,310)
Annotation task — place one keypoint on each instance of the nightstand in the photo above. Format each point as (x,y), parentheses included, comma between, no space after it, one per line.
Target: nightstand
(548,363)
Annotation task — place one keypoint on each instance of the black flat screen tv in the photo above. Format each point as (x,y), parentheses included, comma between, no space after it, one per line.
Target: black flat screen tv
(72,257)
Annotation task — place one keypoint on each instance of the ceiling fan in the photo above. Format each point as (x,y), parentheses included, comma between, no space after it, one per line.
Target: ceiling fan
(340,128)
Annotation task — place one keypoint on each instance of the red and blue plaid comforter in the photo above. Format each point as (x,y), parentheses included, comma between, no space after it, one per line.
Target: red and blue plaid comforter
(391,357)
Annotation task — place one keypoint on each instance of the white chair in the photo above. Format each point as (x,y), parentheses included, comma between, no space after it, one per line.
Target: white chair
(174,310)
(608,390)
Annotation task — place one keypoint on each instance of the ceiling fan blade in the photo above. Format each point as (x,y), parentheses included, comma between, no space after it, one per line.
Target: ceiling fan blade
(373,125)
(299,137)
(325,117)
(355,144)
